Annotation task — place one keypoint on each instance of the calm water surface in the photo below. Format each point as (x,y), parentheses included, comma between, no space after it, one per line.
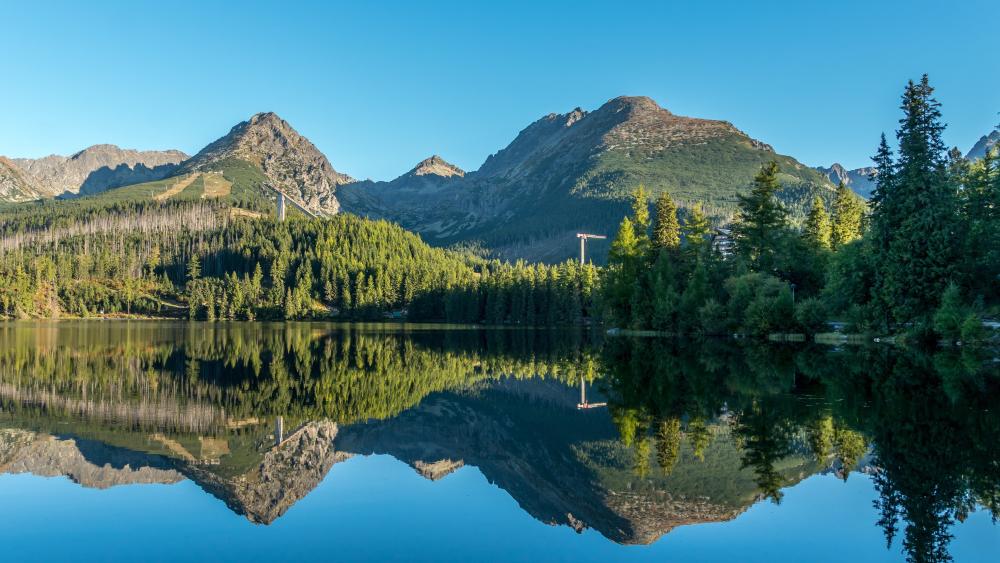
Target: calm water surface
(259,442)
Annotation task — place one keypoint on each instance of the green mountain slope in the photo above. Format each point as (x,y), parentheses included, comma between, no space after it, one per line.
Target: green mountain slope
(573,172)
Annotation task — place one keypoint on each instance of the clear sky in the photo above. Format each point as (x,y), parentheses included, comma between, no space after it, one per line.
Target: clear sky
(379,86)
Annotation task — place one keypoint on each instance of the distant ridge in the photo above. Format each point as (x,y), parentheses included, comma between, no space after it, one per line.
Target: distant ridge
(985,143)
(96,168)
(860,179)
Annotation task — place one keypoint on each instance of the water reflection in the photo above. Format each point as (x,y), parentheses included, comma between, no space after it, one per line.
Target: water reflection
(925,426)
(631,438)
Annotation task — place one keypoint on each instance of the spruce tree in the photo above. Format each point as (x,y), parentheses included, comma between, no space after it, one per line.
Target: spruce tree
(914,211)
(817,228)
(696,231)
(193,268)
(761,221)
(666,230)
(848,211)
(640,209)
(623,267)
(641,219)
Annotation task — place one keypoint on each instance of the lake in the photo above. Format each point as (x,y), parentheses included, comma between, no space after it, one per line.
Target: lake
(174,441)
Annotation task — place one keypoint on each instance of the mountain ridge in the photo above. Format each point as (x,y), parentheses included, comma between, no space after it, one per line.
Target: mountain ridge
(98,168)
(985,143)
(289,160)
(859,180)
(568,172)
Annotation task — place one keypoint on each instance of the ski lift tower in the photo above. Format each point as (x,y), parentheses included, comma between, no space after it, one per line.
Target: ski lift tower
(583,245)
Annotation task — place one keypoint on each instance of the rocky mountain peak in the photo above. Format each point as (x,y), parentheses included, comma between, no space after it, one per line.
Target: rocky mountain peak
(859,179)
(576,115)
(634,104)
(836,173)
(286,473)
(436,470)
(13,185)
(436,166)
(985,143)
(289,160)
(637,123)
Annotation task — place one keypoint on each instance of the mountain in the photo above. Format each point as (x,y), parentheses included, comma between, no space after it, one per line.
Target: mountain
(405,199)
(279,477)
(14,186)
(435,167)
(97,168)
(289,161)
(87,462)
(985,143)
(563,465)
(573,172)
(859,179)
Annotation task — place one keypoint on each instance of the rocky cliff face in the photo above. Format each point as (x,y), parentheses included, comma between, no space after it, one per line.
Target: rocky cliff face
(98,168)
(435,470)
(436,166)
(14,186)
(859,179)
(90,464)
(289,160)
(287,473)
(985,143)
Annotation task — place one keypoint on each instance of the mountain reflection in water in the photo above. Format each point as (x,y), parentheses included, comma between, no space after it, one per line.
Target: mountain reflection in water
(257,414)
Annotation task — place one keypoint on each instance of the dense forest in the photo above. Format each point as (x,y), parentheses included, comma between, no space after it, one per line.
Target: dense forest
(923,258)
(198,259)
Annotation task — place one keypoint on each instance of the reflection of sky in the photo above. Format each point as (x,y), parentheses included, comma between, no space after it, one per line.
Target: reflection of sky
(376,508)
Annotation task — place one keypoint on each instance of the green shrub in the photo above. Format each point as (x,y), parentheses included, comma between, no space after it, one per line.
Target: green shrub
(972,328)
(712,318)
(811,315)
(951,314)
(760,304)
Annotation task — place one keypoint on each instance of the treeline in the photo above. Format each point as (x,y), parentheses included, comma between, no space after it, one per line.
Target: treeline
(922,258)
(198,260)
(217,372)
(523,294)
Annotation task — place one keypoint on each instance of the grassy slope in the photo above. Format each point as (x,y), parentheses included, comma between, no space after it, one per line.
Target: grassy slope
(720,478)
(713,173)
(247,181)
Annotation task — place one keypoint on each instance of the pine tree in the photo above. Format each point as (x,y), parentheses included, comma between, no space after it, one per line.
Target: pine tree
(697,233)
(668,444)
(666,231)
(640,211)
(625,248)
(696,225)
(817,228)
(913,219)
(848,211)
(193,268)
(623,266)
(761,221)
(981,202)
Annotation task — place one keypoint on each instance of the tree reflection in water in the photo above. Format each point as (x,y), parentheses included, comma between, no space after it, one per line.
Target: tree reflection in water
(692,431)
(920,423)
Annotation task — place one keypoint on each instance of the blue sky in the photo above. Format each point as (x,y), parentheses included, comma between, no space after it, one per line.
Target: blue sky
(379,86)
